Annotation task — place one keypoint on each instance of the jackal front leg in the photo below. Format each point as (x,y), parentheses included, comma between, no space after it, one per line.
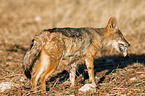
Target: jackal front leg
(72,74)
(90,66)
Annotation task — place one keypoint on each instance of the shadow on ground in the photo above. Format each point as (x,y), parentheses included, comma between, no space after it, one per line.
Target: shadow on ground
(110,63)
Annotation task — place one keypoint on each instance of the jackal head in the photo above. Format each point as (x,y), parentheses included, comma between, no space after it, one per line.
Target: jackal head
(116,38)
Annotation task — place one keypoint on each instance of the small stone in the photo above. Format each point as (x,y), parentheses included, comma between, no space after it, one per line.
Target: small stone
(88,87)
(37,18)
(133,79)
(6,85)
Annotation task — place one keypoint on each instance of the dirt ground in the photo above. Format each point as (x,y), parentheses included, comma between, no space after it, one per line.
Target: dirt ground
(21,20)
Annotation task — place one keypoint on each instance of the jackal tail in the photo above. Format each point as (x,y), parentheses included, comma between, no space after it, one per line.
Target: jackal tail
(31,56)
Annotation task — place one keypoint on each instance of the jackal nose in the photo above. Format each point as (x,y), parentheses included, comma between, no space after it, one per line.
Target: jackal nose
(128,45)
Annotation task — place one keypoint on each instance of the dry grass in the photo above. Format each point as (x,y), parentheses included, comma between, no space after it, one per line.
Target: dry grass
(21,20)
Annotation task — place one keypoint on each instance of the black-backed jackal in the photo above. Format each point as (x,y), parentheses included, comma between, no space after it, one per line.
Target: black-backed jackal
(52,45)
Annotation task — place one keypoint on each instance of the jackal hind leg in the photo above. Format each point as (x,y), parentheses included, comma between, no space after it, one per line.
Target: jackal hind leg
(90,66)
(50,69)
(44,61)
(36,77)
(73,73)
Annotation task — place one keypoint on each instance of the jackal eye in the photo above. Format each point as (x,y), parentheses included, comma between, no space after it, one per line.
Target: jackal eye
(120,44)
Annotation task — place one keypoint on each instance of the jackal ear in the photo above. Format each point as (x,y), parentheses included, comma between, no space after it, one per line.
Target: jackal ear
(112,25)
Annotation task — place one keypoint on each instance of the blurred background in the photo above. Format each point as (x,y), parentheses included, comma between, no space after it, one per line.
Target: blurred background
(21,20)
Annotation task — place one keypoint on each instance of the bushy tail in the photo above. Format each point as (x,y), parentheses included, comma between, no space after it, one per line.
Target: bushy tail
(31,56)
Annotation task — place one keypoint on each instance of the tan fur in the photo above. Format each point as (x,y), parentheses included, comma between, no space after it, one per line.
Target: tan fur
(52,45)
